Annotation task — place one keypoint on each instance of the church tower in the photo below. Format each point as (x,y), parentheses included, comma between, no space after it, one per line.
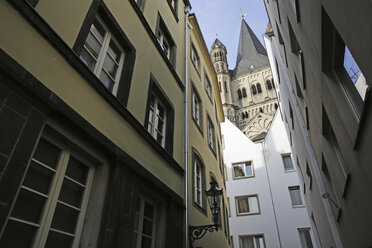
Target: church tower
(218,54)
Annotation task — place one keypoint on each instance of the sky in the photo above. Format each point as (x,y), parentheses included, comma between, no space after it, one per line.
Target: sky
(223,17)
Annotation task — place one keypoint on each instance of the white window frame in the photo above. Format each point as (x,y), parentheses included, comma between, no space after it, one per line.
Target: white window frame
(103,53)
(300,237)
(208,87)
(290,159)
(198,184)
(195,57)
(196,106)
(238,213)
(298,189)
(255,242)
(245,172)
(50,205)
(142,217)
(163,41)
(210,133)
(154,121)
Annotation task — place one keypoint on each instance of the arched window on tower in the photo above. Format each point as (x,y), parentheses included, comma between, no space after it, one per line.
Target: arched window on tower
(244,92)
(219,86)
(272,82)
(239,94)
(259,90)
(254,90)
(261,110)
(215,55)
(225,86)
(246,114)
(217,67)
(268,85)
(276,106)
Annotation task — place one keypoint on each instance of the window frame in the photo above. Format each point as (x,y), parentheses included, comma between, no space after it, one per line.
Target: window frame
(308,229)
(208,87)
(254,240)
(139,232)
(174,9)
(238,214)
(195,57)
(290,159)
(195,95)
(124,83)
(44,225)
(197,160)
(156,90)
(298,188)
(211,134)
(241,163)
(165,35)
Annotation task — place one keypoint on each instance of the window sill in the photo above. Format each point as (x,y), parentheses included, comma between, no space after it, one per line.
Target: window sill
(246,214)
(298,206)
(290,171)
(245,177)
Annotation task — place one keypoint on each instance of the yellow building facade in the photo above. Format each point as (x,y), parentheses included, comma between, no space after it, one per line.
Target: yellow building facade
(205,149)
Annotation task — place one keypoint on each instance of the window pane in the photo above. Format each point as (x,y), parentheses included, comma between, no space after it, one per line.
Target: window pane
(247,242)
(110,66)
(106,80)
(114,51)
(93,45)
(149,211)
(248,169)
(305,239)
(243,206)
(13,231)
(47,153)
(253,204)
(354,73)
(287,163)
(147,227)
(88,59)
(58,240)
(71,193)
(77,170)
(65,218)
(295,196)
(38,178)
(146,242)
(98,30)
(29,206)
(238,171)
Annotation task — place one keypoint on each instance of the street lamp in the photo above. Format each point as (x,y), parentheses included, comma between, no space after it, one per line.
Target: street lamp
(214,198)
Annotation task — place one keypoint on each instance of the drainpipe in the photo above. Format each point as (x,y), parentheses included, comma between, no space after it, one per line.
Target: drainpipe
(187,240)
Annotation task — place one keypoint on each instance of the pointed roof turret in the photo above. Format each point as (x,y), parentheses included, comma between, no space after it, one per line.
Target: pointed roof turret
(251,54)
(217,43)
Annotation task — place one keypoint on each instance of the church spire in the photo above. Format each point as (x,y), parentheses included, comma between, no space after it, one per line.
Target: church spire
(251,54)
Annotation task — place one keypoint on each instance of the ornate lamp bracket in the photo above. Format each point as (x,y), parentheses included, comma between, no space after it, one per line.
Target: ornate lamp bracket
(198,232)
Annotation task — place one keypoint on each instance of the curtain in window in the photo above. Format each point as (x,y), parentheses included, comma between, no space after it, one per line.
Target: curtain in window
(247,242)
(243,205)
(238,171)
(253,204)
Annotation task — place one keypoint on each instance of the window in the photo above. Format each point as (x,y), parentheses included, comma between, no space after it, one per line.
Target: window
(165,40)
(194,57)
(268,85)
(173,4)
(144,229)
(243,170)
(244,91)
(342,64)
(52,201)
(239,94)
(198,182)
(210,130)
(308,173)
(283,51)
(287,161)
(256,241)
(254,90)
(196,106)
(159,117)
(103,55)
(208,87)
(225,84)
(247,205)
(259,90)
(305,238)
(141,4)
(291,114)
(219,86)
(295,194)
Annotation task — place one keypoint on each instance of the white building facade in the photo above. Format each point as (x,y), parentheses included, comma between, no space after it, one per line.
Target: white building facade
(267,208)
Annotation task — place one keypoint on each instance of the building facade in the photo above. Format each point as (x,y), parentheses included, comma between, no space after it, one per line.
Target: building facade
(267,208)
(91,129)
(324,77)
(247,92)
(205,150)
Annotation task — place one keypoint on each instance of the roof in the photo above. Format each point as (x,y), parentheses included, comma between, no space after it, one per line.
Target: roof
(217,43)
(251,54)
